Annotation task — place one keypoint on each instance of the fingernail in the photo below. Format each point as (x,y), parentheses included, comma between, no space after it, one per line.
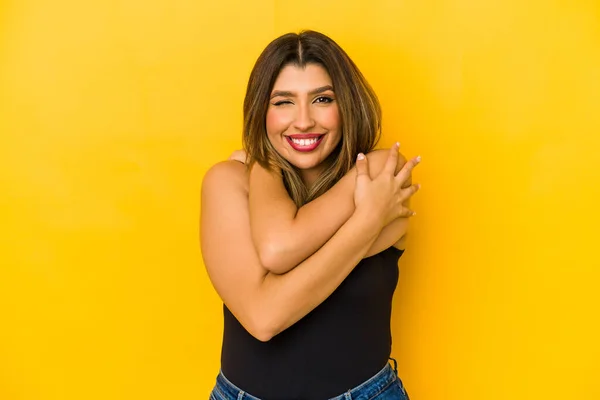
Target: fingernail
(418,158)
(397,145)
(361,156)
(414,213)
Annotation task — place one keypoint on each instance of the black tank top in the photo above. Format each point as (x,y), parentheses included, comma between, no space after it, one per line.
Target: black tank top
(340,344)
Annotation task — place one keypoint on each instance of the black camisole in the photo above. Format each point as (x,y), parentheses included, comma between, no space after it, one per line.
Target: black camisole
(340,344)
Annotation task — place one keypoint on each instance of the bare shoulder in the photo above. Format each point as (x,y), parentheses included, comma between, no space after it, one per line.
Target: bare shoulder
(377,159)
(224,177)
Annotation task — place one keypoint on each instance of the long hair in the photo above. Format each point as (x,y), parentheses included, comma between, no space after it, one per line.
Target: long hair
(359,109)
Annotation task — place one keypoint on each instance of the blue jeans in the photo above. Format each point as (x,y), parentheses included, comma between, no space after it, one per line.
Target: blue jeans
(385,385)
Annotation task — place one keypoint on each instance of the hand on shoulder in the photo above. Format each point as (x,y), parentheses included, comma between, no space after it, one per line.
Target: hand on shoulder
(224,175)
(377,159)
(239,155)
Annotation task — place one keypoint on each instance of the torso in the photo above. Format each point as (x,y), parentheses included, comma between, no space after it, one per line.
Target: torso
(340,344)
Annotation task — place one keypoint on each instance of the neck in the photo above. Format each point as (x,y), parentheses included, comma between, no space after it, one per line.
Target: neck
(310,176)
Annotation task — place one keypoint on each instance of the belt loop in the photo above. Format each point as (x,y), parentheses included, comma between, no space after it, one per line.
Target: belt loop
(241,395)
(395,365)
(348,396)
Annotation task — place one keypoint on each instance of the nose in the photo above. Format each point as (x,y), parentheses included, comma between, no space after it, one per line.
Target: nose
(304,118)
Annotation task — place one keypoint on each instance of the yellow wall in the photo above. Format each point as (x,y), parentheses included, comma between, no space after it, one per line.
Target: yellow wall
(110,113)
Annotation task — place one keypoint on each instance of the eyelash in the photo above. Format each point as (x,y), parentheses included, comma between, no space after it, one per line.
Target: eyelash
(326,98)
(329,99)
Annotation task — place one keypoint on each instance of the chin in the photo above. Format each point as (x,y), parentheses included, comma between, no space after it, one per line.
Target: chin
(305,164)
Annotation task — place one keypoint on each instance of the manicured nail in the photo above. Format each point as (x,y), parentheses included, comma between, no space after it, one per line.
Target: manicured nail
(361,156)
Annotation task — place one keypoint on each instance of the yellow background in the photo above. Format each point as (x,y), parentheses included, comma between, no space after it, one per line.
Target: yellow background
(111,112)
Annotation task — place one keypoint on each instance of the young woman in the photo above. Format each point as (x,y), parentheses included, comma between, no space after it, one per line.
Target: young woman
(302,241)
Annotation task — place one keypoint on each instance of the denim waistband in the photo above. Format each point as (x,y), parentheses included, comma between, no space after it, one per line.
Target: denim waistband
(229,391)
(372,387)
(365,391)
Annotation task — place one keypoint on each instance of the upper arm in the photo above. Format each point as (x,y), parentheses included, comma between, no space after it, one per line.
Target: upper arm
(227,249)
(377,159)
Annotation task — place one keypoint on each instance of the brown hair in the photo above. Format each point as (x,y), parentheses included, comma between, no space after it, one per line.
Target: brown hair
(360,112)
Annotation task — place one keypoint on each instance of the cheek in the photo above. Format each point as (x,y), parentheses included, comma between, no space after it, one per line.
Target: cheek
(332,118)
(276,122)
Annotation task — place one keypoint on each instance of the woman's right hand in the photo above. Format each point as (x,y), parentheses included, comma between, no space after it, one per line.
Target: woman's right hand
(239,155)
(383,196)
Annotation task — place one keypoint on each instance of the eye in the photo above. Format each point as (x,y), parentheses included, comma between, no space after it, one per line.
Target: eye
(282,102)
(323,99)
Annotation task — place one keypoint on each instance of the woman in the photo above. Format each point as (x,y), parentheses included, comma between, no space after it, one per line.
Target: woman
(300,243)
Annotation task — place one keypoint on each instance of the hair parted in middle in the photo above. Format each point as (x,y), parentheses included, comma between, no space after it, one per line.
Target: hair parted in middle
(359,109)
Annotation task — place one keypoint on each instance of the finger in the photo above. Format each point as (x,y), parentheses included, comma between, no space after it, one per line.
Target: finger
(362,166)
(239,155)
(409,191)
(406,170)
(392,161)
(406,213)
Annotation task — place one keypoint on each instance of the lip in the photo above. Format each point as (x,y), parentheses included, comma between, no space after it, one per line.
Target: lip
(306,135)
(305,149)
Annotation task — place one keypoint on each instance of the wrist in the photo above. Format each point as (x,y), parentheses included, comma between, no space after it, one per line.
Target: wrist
(371,222)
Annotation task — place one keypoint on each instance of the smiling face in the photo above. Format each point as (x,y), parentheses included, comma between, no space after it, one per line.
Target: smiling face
(303,121)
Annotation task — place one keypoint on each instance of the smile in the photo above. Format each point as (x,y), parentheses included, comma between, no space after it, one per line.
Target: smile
(305,143)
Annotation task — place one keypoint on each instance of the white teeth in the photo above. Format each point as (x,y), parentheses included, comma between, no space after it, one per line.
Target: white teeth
(305,142)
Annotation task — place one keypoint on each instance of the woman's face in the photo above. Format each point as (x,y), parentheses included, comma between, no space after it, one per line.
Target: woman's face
(303,118)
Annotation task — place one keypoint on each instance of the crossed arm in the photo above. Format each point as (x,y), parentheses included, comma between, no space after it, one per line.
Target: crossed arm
(266,303)
(285,235)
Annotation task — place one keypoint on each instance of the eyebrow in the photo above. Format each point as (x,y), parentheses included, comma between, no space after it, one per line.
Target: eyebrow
(285,93)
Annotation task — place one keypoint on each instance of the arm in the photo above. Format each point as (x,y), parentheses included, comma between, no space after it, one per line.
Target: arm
(285,235)
(267,303)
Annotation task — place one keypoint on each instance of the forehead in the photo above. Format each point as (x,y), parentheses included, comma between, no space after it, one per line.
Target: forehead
(293,77)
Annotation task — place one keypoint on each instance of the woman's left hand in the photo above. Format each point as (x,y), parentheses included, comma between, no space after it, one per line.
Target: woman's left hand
(239,155)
